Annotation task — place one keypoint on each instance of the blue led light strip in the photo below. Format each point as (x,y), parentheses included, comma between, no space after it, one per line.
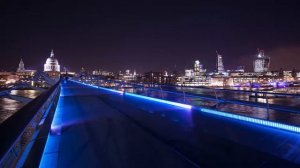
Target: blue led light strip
(160,100)
(253,120)
(143,97)
(50,153)
(103,88)
(215,112)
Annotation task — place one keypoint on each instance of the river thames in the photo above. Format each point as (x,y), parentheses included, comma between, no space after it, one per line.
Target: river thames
(8,107)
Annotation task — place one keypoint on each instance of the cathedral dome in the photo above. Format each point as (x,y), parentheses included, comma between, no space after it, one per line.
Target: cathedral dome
(52,64)
(52,61)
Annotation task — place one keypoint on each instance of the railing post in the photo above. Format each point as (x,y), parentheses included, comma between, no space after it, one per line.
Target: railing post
(120,88)
(267,101)
(161,92)
(216,97)
(183,94)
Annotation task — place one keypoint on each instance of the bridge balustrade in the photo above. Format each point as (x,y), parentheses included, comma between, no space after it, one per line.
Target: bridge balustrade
(213,100)
(24,134)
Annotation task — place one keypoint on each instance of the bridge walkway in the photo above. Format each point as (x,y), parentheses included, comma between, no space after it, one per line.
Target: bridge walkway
(98,128)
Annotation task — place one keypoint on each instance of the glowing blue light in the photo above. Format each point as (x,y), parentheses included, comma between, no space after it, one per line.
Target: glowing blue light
(215,112)
(237,85)
(50,153)
(253,120)
(282,84)
(144,97)
(255,85)
(112,90)
(274,84)
(98,87)
(160,100)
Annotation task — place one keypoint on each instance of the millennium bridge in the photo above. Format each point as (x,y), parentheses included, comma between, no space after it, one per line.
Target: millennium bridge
(76,123)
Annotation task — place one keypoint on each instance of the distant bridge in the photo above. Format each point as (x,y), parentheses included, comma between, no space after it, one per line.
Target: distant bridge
(21,85)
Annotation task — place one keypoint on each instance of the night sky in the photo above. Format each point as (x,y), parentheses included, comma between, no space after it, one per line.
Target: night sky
(148,35)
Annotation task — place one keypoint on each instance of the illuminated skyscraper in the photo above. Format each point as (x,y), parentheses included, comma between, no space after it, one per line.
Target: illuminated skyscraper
(197,68)
(261,62)
(220,67)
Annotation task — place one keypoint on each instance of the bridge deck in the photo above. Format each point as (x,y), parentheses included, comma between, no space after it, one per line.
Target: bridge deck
(99,128)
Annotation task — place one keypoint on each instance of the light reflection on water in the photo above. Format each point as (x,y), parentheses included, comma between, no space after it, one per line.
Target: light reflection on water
(25,93)
(8,107)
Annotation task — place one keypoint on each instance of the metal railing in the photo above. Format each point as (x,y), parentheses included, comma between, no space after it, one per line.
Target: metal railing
(20,132)
(260,110)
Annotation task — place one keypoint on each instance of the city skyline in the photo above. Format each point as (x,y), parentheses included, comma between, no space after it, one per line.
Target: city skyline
(149,35)
(149,83)
(190,66)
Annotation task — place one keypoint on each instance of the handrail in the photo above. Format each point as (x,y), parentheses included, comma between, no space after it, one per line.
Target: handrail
(236,101)
(12,129)
(216,98)
(230,100)
(294,127)
(204,87)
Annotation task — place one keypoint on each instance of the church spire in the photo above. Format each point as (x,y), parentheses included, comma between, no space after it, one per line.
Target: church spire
(52,54)
(21,66)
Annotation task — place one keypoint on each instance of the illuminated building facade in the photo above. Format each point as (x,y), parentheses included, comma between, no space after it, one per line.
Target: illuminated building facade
(102,73)
(194,77)
(261,63)
(220,66)
(127,76)
(52,67)
(21,67)
(24,75)
(198,68)
(153,77)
